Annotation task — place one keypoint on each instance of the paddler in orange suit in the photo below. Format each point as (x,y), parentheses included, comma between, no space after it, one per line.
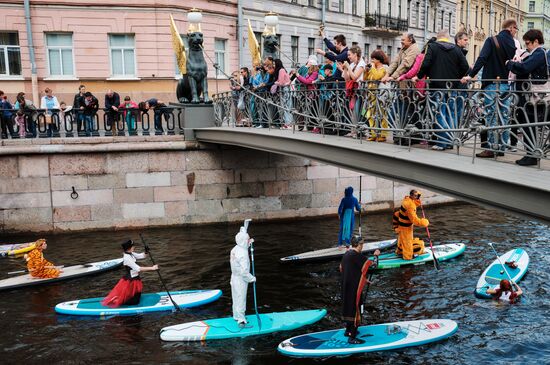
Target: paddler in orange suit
(404,220)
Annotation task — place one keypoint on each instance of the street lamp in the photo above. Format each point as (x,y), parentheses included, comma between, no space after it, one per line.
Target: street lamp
(194,18)
(271,21)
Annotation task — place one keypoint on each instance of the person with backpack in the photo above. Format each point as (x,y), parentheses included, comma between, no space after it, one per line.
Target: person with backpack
(535,68)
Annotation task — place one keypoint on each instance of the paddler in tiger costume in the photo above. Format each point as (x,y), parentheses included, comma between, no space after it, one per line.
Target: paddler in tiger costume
(404,220)
(37,265)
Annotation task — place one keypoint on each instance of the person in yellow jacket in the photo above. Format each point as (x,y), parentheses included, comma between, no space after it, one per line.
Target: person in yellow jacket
(404,220)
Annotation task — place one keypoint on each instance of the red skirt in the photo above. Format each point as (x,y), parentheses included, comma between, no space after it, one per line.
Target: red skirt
(126,290)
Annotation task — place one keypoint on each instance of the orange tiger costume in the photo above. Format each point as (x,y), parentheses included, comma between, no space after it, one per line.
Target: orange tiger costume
(38,266)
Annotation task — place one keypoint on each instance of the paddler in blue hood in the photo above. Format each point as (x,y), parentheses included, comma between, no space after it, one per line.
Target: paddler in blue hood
(240,275)
(347,216)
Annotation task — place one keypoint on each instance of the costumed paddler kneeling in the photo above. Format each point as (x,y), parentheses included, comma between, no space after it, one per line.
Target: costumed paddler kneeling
(354,268)
(404,220)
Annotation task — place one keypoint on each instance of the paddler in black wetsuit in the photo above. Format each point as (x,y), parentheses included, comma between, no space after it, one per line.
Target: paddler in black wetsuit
(354,268)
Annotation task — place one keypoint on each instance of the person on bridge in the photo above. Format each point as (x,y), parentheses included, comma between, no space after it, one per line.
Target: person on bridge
(128,289)
(240,275)
(37,265)
(347,216)
(404,220)
(354,268)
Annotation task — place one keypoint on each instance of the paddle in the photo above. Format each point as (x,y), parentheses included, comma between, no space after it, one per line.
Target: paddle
(360,207)
(436,262)
(503,268)
(246,223)
(148,251)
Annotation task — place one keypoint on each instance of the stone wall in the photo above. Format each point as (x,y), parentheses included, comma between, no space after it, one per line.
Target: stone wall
(189,185)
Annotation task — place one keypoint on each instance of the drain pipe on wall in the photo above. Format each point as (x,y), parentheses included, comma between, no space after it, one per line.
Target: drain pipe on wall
(34,76)
(240,30)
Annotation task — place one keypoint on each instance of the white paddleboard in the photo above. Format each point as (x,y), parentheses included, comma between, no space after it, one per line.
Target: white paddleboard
(337,252)
(69,272)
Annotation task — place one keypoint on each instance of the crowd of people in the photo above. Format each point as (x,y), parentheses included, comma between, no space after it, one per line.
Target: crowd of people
(22,118)
(514,90)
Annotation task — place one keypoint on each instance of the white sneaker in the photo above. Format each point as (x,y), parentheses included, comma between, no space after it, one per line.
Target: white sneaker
(438,148)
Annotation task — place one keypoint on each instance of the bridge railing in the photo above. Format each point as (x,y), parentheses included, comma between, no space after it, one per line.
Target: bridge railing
(511,118)
(55,123)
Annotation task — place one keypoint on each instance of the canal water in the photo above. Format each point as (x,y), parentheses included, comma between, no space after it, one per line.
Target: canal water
(198,258)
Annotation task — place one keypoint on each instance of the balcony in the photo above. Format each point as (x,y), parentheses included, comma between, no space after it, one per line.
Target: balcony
(384,26)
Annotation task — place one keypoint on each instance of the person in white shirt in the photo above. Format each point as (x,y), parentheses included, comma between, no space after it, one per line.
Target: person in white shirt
(128,289)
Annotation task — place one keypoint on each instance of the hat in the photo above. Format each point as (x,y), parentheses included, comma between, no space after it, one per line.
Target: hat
(127,245)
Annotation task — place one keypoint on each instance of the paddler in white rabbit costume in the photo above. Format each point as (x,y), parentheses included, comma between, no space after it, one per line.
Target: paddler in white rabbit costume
(240,274)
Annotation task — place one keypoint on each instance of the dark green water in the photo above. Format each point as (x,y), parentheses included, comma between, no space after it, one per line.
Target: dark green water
(198,258)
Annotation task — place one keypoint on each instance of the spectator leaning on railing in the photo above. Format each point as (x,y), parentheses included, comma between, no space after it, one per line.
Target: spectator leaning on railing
(5,116)
(89,111)
(27,112)
(404,60)
(443,61)
(112,102)
(492,58)
(78,101)
(536,69)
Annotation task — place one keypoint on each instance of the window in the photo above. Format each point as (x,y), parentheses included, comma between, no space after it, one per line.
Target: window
(60,54)
(10,54)
(220,56)
(399,10)
(367,50)
(311,3)
(354,44)
(389,8)
(186,45)
(389,52)
(354,7)
(123,55)
(450,22)
(310,46)
(327,4)
(531,7)
(418,14)
(481,19)
(530,25)
(442,19)
(477,9)
(435,20)
(294,1)
(378,47)
(367,6)
(294,48)
(340,6)
(408,9)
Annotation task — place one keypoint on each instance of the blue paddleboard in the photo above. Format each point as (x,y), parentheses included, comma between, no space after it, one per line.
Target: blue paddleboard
(223,328)
(379,337)
(153,302)
(442,253)
(492,275)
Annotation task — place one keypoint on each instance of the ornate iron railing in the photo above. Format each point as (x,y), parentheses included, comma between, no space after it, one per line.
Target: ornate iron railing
(375,20)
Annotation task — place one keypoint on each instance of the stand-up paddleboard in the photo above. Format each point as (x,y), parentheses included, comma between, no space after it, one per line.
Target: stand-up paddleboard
(16,248)
(154,302)
(223,328)
(69,272)
(379,337)
(442,252)
(492,275)
(336,252)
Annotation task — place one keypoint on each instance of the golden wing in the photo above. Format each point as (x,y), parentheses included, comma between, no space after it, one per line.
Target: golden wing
(254,46)
(179,48)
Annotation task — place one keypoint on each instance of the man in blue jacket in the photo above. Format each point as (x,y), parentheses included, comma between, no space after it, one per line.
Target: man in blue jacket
(338,50)
(495,53)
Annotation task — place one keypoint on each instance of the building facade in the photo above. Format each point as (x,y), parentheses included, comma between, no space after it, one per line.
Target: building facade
(537,17)
(107,45)
(483,18)
(427,17)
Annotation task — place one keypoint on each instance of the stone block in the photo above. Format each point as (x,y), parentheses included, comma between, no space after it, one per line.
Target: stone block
(27,216)
(208,177)
(211,191)
(33,165)
(85,197)
(210,208)
(172,193)
(121,162)
(176,209)
(348,173)
(260,204)
(65,182)
(295,201)
(107,181)
(245,190)
(25,200)
(24,185)
(255,175)
(291,173)
(322,200)
(135,180)
(203,160)
(300,187)
(133,195)
(167,161)
(276,188)
(143,210)
(380,195)
(106,212)
(241,158)
(231,205)
(72,214)
(344,182)
(324,186)
(321,172)
(77,164)
(276,160)
(8,167)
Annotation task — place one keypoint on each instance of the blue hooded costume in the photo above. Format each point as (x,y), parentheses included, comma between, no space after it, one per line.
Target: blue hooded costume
(347,216)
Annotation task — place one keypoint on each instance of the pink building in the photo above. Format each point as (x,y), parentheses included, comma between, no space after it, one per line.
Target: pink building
(109,45)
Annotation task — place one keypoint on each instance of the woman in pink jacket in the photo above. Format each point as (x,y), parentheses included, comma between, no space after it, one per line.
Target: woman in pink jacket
(130,110)
(312,74)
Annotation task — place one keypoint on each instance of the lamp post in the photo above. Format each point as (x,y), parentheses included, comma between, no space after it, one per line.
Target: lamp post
(271,21)
(194,18)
